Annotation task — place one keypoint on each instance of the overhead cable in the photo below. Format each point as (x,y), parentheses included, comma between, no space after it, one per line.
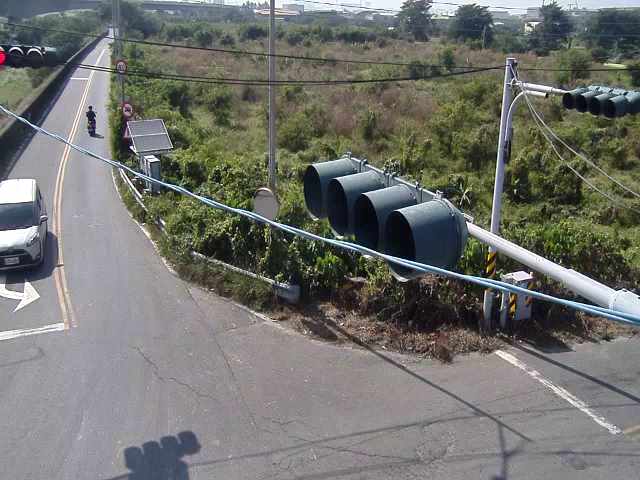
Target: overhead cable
(610,314)
(232,51)
(265,82)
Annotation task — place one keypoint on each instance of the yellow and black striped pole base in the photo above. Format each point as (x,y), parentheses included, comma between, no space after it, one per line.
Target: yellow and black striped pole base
(490,269)
(513,301)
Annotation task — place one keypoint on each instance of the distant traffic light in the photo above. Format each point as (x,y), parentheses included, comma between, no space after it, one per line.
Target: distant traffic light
(600,100)
(384,213)
(20,56)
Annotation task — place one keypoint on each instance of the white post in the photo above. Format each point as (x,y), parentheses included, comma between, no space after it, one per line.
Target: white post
(503,144)
(272,96)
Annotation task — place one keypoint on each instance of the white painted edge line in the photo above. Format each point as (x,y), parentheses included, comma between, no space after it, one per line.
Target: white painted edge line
(561,392)
(144,230)
(79,78)
(10,334)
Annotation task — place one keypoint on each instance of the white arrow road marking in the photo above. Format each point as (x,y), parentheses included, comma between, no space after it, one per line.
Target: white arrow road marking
(29,295)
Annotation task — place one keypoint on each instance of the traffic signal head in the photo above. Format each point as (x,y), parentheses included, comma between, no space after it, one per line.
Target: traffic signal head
(372,209)
(620,105)
(434,233)
(316,181)
(599,100)
(597,103)
(569,98)
(342,193)
(19,56)
(388,219)
(582,100)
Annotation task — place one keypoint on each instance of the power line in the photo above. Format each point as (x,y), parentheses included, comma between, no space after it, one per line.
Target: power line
(614,315)
(305,58)
(389,10)
(226,50)
(265,82)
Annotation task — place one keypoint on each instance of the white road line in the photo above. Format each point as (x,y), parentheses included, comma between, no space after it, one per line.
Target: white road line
(631,430)
(561,392)
(9,334)
(80,78)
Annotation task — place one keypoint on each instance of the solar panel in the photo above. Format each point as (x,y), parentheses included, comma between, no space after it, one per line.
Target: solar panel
(149,136)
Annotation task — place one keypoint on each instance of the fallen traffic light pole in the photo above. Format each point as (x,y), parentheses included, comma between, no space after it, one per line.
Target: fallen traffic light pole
(624,306)
(388,214)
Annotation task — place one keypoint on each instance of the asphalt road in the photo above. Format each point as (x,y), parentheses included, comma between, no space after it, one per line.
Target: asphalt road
(136,356)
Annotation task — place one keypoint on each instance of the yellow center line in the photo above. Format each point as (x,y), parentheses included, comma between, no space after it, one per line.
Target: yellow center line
(60,278)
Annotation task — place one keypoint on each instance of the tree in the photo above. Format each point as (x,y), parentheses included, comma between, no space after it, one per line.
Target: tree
(576,64)
(415,18)
(472,22)
(613,30)
(553,31)
(133,19)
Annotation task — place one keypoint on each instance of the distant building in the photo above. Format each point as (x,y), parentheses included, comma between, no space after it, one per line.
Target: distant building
(293,7)
(279,13)
(530,27)
(500,15)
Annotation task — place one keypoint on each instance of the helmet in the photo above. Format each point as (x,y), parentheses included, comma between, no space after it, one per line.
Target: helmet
(90,107)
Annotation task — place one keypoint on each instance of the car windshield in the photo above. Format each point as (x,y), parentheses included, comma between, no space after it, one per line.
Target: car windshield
(14,216)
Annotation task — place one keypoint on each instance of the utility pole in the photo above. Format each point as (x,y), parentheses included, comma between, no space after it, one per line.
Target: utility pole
(504,142)
(272,96)
(117,45)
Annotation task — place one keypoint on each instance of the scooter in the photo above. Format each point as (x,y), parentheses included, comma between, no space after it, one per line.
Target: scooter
(91,128)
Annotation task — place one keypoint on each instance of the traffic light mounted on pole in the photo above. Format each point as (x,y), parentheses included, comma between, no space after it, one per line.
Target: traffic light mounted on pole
(601,100)
(386,213)
(23,56)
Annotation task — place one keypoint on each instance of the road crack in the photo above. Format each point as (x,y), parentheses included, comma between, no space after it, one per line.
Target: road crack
(156,372)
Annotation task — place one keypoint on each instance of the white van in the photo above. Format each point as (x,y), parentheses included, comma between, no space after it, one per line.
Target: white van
(23,224)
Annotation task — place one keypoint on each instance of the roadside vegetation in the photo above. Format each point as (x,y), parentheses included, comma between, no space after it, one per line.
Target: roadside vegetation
(442,132)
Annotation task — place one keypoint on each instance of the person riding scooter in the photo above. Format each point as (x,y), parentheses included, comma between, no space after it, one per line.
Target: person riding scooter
(91,119)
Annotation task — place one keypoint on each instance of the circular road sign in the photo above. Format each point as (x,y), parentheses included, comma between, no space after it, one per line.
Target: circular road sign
(127,110)
(121,67)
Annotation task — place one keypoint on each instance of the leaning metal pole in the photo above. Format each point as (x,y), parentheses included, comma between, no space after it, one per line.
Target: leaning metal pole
(503,150)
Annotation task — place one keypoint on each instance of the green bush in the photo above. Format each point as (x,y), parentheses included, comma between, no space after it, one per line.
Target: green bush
(447,59)
(227,40)
(634,72)
(219,101)
(253,32)
(295,133)
(577,244)
(577,63)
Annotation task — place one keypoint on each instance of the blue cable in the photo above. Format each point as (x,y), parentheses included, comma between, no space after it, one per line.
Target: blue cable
(616,316)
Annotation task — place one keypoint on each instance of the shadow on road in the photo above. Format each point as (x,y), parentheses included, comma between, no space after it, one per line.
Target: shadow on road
(319,316)
(160,460)
(40,272)
(577,372)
